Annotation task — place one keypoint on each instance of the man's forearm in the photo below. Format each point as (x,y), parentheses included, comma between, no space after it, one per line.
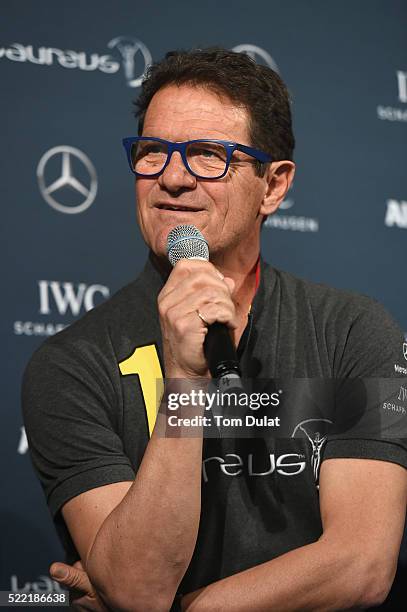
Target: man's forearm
(144,546)
(317,577)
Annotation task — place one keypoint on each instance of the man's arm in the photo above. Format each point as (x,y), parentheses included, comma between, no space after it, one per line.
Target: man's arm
(363,506)
(124,529)
(136,540)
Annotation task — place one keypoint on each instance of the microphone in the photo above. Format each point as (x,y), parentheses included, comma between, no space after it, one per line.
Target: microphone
(187,242)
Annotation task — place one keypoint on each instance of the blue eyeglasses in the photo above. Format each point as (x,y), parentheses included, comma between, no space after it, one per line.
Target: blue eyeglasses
(205,158)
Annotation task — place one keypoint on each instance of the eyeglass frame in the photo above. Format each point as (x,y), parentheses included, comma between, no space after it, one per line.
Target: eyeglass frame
(230,148)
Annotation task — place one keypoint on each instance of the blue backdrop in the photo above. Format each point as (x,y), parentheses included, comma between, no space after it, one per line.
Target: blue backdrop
(69,72)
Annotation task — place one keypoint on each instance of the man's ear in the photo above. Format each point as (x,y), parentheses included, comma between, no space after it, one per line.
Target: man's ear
(278,177)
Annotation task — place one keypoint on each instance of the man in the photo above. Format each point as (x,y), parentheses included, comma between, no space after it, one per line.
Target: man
(215,523)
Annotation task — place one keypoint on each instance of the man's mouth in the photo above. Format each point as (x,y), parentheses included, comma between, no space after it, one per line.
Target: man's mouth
(176,208)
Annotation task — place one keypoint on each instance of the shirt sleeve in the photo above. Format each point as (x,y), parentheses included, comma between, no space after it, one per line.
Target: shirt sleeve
(371,402)
(71,416)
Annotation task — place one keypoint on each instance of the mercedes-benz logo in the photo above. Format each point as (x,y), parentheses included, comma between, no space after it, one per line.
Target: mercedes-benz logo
(128,48)
(257,54)
(67,179)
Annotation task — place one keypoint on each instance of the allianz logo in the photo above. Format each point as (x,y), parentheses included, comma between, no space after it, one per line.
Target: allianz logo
(69,296)
(396,214)
(290,464)
(402,85)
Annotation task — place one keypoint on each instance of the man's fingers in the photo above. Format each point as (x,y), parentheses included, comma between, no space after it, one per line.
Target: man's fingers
(219,312)
(193,292)
(184,268)
(72,577)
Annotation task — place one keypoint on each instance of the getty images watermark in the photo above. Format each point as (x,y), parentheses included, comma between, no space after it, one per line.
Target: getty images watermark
(222,406)
(362,408)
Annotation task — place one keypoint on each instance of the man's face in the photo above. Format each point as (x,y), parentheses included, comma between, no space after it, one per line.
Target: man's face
(225,210)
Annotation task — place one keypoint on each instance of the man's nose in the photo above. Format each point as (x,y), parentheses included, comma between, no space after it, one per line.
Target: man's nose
(176,176)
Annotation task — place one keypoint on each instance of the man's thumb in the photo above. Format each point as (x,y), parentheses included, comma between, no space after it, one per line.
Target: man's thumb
(69,576)
(59,571)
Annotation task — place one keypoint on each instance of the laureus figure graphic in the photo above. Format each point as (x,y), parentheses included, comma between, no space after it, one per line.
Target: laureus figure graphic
(316,443)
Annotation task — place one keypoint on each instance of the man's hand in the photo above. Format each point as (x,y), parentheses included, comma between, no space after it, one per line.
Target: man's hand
(75,577)
(193,287)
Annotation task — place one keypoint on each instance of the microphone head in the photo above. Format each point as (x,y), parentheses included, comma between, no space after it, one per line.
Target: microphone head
(186,242)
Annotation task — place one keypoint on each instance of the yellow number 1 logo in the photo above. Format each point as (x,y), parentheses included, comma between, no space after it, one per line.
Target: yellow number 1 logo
(144,362)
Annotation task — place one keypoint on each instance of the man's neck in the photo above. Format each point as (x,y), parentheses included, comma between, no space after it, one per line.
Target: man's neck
(245,277)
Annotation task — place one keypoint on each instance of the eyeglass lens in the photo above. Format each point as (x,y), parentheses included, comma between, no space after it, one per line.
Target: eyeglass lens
(207,159)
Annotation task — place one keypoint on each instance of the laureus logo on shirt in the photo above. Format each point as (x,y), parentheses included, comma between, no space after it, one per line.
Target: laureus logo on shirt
(402,396)
(396,403)
(232,464)
(315,431)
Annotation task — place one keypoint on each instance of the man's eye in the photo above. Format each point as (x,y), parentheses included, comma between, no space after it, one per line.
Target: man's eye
(201,151)
(152,149)
(207,152)
(150,152)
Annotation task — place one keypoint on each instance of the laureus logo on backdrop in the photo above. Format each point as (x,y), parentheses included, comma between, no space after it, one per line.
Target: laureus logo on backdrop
(67,179)
(396,214)
(133,55)
(136,58)
(259,55)
(67,299)
(129,53)
(291,222)
(390,113)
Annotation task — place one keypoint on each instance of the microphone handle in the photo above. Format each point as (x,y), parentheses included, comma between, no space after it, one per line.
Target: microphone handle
(220,352)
